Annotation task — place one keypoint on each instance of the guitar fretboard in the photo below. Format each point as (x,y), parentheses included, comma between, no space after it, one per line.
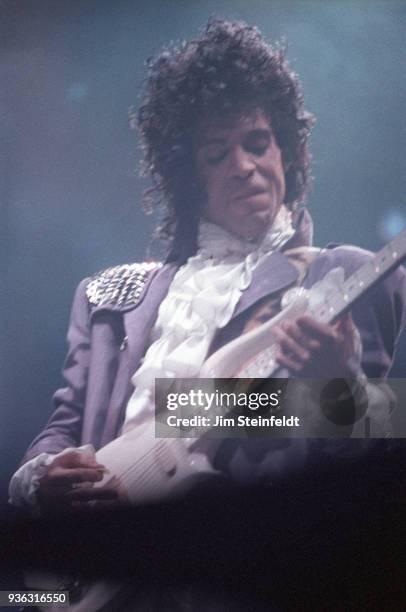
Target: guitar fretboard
(368,275)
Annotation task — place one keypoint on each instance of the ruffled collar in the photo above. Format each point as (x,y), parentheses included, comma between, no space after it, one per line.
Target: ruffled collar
(216,243)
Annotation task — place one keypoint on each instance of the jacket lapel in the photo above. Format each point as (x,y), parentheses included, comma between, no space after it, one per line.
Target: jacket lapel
(275,272)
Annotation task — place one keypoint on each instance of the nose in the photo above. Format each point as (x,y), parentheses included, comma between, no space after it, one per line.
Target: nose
(242,164)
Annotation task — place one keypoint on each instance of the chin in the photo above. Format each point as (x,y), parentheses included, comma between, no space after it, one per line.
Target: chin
(254,228)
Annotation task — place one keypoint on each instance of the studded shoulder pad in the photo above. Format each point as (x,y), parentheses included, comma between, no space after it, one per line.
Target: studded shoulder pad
(120,286)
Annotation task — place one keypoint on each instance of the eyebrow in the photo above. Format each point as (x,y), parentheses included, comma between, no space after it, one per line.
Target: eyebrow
(260,133)
(256,133)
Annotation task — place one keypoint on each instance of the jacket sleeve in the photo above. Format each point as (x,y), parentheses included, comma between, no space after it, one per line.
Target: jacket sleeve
(381,319)
(63,429)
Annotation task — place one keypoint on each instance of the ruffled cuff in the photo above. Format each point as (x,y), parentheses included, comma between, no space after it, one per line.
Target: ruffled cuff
(25,482)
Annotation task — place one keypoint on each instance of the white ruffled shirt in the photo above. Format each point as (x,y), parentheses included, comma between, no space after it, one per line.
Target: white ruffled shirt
(201,299)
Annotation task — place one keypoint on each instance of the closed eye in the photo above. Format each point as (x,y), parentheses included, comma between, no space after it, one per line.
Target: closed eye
(257,149)
(258,146)
(214,154)
(258,141)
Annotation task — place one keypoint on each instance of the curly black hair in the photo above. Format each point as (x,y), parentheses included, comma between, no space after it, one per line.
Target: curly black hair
(228,69)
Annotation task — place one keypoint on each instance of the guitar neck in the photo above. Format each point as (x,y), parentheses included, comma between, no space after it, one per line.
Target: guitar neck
(376,269)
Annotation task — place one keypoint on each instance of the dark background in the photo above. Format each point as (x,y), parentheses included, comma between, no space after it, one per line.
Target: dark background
(69,191)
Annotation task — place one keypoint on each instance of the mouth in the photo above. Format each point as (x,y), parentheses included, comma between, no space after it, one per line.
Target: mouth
(246,195)
(250,201)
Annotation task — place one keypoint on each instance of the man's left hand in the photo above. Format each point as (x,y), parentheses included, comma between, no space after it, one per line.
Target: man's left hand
(317,350)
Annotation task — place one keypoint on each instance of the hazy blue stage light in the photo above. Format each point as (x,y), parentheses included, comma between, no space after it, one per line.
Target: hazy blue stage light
(393,222)
(77,91)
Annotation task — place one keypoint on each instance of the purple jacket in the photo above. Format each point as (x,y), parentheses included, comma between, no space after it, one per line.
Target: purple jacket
(98,367)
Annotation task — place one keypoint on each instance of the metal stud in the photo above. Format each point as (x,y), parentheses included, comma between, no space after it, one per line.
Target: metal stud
(120,285)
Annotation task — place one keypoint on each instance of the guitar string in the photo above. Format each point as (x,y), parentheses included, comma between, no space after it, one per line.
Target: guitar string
(128,472)
(136,467)
(148,476)
(145,474)
(132,467)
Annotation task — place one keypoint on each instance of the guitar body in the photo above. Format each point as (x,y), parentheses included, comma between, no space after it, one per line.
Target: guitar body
(145,468)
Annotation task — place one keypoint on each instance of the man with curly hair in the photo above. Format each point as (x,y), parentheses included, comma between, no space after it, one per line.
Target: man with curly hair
(225,141)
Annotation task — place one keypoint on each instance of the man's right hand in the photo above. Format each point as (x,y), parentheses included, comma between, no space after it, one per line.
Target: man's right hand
(68,483)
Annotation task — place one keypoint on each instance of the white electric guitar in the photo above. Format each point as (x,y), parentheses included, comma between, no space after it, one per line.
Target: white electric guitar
(145,468)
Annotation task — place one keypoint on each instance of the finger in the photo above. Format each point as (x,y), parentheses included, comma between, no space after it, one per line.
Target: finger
(340,334)
(75,458)
(303,339)
(345,325)
(66,477)
(320,331)
(289,346)
(347,318)
(346,332)
(288,362)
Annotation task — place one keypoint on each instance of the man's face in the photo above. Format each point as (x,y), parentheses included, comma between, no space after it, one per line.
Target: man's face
(241,170)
